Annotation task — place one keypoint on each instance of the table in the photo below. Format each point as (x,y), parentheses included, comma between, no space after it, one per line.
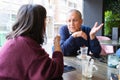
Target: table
(110,42)
(114,43)
(103,72)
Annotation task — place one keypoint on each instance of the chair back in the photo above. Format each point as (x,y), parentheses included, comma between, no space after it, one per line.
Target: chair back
(106,49)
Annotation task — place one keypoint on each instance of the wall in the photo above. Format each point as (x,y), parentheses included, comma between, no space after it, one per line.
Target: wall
(92,12)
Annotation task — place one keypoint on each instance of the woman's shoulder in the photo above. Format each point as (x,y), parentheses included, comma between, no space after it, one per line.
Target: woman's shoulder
(18,43)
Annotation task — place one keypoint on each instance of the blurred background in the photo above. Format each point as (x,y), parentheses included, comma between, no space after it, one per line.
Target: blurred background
(92,10)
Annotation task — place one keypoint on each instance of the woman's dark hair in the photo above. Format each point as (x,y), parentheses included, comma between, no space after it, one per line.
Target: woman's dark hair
(30,22)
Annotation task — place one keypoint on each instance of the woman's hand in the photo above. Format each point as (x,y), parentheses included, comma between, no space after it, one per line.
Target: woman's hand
(57,43)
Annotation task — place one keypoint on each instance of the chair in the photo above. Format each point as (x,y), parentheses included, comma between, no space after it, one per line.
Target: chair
(106,49)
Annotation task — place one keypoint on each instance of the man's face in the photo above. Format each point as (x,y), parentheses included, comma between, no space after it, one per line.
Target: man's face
(74,22)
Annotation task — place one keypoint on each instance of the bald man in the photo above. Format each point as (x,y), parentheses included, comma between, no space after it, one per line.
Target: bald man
(75,35)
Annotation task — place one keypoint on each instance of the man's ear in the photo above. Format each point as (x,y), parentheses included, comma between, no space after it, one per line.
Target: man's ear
(81,21)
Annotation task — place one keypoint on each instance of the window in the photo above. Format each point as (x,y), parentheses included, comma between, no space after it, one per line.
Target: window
(8,11)
(55,12)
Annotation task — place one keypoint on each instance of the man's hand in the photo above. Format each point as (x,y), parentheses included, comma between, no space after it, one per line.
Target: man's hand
(80,34)
(94,30)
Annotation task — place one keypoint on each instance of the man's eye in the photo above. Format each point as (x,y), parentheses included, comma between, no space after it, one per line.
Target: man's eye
(69,20)
(75,20)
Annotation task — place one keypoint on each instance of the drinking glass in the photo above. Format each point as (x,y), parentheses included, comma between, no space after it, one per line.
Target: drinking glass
(113,60)
(82,52)
(88,68)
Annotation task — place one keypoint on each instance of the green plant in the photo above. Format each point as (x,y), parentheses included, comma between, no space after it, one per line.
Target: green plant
(111,16)
(111,20)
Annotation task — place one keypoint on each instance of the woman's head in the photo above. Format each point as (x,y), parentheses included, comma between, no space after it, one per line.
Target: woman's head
(30,22)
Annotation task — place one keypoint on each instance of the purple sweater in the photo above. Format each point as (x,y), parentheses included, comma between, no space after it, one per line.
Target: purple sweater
(22,58)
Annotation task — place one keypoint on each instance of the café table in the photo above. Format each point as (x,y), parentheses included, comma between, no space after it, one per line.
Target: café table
(114,43)
(103,72)
(110,42)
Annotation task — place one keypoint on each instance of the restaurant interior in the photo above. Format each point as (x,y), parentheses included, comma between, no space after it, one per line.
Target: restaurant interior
(102,11)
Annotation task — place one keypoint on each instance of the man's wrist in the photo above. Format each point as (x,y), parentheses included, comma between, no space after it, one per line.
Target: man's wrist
(92,37)
(74,35)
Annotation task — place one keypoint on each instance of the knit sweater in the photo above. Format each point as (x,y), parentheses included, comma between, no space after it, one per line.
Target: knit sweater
(22,58)
(70,45)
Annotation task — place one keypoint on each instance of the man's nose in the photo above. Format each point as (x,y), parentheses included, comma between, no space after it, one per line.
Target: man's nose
(72,22)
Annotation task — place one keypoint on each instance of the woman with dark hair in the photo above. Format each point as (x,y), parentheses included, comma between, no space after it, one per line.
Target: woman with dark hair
(22,56)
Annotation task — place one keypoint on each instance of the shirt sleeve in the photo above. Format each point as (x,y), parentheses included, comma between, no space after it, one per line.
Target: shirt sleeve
(46,68)
(95,47)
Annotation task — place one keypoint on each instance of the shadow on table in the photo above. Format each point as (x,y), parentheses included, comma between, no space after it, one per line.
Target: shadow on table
(68,68)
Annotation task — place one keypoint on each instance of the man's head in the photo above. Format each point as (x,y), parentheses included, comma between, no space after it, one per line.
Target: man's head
(74,20)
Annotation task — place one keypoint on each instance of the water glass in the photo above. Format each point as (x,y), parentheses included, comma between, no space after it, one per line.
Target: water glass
(88,68)
(84,51)
(113,60)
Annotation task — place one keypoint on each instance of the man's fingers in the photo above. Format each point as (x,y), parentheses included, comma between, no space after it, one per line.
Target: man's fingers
(100,26)
(96,23)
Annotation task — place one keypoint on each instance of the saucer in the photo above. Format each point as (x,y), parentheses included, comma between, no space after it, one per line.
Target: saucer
(83,57)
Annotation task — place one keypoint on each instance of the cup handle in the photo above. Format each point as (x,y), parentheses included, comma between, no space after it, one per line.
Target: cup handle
(95,68)
(78,51)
